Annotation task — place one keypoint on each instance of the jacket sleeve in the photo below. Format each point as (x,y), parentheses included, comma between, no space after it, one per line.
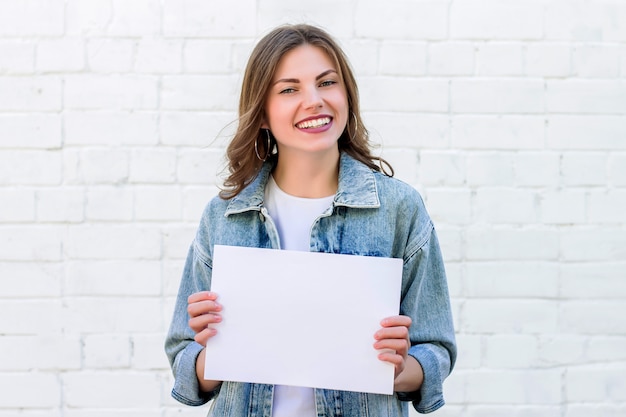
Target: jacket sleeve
(180,347)
(426,300)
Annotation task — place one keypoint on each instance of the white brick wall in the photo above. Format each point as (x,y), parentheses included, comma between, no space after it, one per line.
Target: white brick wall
(509,116)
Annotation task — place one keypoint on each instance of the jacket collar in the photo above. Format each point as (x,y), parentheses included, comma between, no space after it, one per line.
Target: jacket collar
(357,188)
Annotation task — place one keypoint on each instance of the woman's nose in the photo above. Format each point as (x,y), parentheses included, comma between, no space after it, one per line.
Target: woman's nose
(312,98)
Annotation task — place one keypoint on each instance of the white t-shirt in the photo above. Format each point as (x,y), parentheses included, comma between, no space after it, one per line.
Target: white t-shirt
(293,217)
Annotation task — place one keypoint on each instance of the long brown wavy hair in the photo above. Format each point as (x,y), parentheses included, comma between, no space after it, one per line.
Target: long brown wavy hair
(241,153)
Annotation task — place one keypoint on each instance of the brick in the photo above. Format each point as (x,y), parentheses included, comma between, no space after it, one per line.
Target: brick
(30,280)
(111,390)
(511,279)
(38,93)
(17,57)
(64,205)
(176,241)
(548,59)
(147,352)
(41,352)
(604,410)
(490,169)
(114,278)
(587,22)
(110,92)
(470,351)
(111,128)
(450,206)
(271,13)
(584,168)
(157,203)
(60,55)
(199,166)
(32,130)
(441,168)
(159,56)
(586,96)
(510,316)
(498,348)
(401,58)
(501,205)
(31,243)
(562,350)
(110,55)
(200,92)
(17,205)
(207,56)
(418,95)
(97,166)
(242,49)
(404,163)
(31,313)
(451,242)
(364,55)
(113,242)
(514,411)
(451,58)
(195,199)
(18,389)
(588,132)
(496,20)
(530,387)
(565,206)
(31,413)
(617,169)
(31,18)
(145,412)
(135,18)
(402,19)
(96,315)
(500,59)
(91,17)
(499,96)
(172,273)
(597,61)
(593,316)
(152,165)
(30,167)
(196,18)
(599,383)
(512,244)
(427,131)
(498,132)
(109,203)
(107,351)
(593,280)
(606,348)
(598,244)
(196,128)
(537,169)
(607,206)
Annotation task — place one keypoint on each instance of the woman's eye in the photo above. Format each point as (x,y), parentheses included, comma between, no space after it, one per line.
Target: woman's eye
(327,83)
(287,91)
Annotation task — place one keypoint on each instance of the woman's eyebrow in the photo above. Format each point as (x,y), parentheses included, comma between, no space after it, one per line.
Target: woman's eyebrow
(296,81)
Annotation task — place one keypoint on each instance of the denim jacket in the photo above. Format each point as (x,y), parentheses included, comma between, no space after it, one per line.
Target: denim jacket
(372,215)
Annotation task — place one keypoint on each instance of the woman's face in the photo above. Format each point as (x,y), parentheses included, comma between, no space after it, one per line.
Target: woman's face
(307,105)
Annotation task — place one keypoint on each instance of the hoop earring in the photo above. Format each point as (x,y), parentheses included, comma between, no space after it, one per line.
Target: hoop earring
(267,148)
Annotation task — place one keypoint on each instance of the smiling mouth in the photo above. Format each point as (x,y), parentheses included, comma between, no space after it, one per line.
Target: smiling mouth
(314,123)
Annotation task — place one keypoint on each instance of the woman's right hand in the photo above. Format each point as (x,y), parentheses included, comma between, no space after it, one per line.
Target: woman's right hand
(203,310)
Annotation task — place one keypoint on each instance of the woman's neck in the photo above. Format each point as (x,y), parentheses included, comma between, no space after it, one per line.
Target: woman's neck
(307,176)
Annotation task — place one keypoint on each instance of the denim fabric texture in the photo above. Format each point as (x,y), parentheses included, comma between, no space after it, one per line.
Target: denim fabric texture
(371,215)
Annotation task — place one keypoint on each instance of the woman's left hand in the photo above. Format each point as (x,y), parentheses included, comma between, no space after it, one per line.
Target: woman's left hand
(394,335)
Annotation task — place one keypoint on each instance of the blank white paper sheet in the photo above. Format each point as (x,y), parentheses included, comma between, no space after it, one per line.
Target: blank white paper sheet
(302,318)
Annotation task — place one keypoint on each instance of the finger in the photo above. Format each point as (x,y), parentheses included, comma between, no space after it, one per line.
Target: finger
(203,307)
(204,336)
(201,296)
(399,346)
(394,321)
(392,333)
(201,322)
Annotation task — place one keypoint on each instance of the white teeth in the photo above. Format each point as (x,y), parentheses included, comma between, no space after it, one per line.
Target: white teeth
(310,124)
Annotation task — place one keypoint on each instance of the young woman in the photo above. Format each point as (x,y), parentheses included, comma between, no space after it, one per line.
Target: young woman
(301,177)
